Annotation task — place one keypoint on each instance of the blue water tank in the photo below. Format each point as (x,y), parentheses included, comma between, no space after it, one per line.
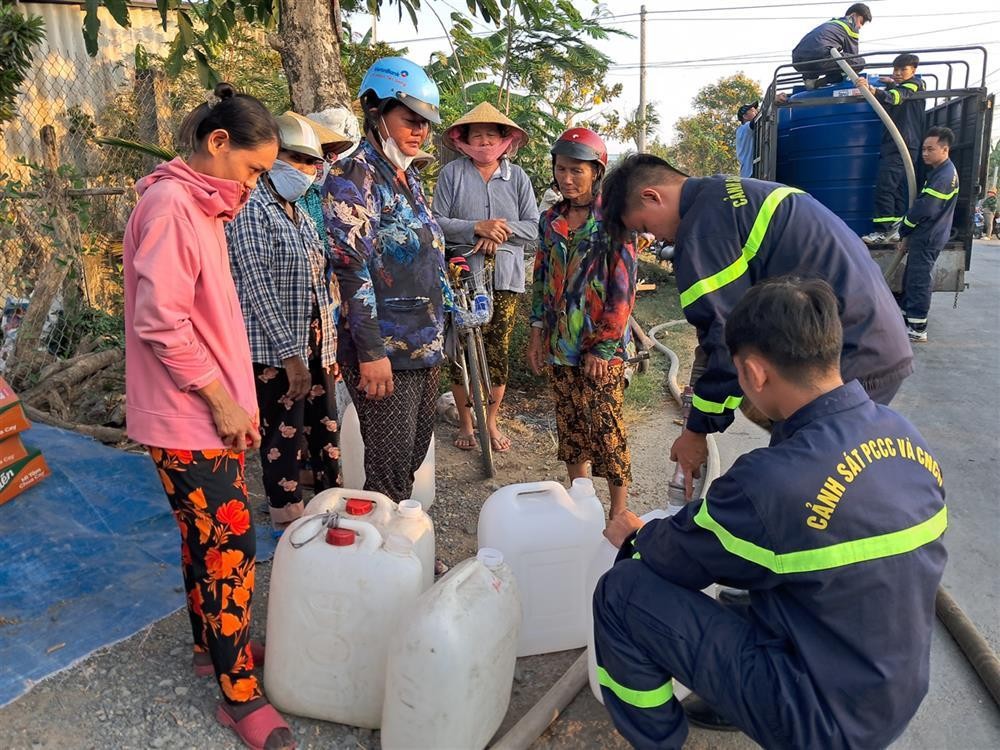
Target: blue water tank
(831,151)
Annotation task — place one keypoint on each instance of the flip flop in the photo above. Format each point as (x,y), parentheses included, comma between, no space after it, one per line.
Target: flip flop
(495,442)
(208,670)
(465,437)
(254,728)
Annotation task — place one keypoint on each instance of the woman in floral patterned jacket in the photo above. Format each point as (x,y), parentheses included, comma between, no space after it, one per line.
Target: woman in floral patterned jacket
(582,295)
(388,255)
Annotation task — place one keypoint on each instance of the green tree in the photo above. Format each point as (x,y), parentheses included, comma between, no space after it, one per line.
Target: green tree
(309,35)
(19,35)
(705,140)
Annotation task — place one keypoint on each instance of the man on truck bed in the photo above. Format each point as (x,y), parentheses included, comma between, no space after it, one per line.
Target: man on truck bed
(926,228)
(907,115)
(729,233)
(839,33)
(835,529)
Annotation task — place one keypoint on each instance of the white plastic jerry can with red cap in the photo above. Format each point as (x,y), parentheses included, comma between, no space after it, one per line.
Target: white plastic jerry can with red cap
(336,596)
(451,664)
(352,451)
(361,505)
(548,536)
(407,518)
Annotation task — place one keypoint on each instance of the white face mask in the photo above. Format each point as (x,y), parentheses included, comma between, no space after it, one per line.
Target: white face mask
(289,182)
(392,151)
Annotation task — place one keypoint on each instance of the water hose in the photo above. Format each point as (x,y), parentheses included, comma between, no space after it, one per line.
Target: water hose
(897,138)
(530,727)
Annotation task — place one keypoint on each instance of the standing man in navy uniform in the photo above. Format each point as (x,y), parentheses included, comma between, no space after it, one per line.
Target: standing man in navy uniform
(835,529)
(926,228)
(729,233)
(811,56)
(907,114)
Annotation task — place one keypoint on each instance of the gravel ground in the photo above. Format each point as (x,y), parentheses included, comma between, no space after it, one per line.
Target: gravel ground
(141,692)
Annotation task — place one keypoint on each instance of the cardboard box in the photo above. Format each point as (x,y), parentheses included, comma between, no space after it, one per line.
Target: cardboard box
(11,450)
(21,475)
(12,417)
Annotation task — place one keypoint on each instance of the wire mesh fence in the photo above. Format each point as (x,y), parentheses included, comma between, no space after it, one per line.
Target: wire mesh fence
(65,198)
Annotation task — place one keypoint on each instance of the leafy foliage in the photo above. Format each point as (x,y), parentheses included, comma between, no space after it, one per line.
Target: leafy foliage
(19,34)
(705,140)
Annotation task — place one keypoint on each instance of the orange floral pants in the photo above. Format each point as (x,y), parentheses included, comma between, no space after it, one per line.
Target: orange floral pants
(208,493)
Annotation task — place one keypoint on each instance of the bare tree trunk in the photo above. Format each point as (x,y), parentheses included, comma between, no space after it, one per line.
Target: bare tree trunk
(310,53)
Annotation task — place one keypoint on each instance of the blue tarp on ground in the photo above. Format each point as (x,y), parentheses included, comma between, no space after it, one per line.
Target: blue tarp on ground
(88,557)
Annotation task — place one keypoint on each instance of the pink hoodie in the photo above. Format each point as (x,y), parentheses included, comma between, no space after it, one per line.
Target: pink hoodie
(183,324)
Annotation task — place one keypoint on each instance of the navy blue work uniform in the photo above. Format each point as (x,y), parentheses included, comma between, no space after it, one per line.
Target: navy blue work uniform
(908,116)
(835,529)
(811,56)
(927,227)
(735,232)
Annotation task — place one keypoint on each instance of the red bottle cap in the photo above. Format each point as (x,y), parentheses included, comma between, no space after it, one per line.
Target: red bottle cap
(340,537)
(358,507)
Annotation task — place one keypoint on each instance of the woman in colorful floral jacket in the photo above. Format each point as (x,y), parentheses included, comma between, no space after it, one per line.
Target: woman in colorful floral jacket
(582,295)
(388,255)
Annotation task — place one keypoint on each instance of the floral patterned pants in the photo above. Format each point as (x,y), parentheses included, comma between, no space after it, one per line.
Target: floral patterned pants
(287,426)
(590,423)
(208,493)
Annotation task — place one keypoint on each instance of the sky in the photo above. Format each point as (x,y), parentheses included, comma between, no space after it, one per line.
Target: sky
(689,46)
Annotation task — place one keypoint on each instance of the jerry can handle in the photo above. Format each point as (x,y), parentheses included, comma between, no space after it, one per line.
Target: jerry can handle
(537,488)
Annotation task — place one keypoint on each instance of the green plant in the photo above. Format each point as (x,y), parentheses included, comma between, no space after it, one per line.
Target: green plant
(19,35)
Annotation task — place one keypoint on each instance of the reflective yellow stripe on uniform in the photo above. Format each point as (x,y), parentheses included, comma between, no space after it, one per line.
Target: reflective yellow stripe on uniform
(832,556)
(909,223)
(911,86)
(895,96)
(886,219)
(639,698)
(850,32)
(714,407)
(739,266)
(942,196)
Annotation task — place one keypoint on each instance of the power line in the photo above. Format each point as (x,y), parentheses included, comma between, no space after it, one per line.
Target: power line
(745,19)
(728,7)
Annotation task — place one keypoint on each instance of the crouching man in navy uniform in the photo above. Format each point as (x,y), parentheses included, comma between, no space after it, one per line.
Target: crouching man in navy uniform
(835,529)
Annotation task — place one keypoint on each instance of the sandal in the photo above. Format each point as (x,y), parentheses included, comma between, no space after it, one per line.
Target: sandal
(208,669)
(254,728)
(465,441)
(500,443)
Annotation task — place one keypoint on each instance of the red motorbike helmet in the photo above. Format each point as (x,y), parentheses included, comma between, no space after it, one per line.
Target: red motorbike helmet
(583,144)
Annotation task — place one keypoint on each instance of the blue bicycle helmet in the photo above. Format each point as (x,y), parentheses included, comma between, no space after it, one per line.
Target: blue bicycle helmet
(398,78)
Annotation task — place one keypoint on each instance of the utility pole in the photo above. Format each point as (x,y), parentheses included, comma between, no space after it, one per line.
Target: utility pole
(374,28)
(642,79)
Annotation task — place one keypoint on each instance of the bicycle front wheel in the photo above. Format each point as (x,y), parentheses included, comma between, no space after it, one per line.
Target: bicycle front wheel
(480,398)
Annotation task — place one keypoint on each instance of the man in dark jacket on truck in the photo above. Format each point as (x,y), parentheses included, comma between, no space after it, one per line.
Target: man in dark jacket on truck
(729,233)
(908,115)
(926,228)
(835,529)
(811,56)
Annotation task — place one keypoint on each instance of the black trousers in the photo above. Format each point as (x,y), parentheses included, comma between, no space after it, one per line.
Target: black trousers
(397,430)
(890,188)
(921,254)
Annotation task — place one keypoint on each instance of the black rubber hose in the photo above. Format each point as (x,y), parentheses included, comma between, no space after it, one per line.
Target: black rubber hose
(970,640)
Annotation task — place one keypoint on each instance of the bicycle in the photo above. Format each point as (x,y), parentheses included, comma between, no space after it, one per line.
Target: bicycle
(470,353)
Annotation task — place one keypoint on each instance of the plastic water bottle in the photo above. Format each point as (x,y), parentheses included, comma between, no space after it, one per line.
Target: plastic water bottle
(676,495)
(481,304)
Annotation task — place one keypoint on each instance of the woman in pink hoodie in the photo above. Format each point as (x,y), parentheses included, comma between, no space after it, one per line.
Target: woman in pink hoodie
(190,388)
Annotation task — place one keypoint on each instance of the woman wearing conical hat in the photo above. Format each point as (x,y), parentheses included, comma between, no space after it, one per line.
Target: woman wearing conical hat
(485,201)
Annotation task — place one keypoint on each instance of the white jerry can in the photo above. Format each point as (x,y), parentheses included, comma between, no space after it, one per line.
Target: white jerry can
(548,537)
(451,664)
(406,518)
(336,596)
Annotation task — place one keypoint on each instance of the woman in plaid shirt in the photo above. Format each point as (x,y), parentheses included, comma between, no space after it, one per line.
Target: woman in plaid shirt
(279,267)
